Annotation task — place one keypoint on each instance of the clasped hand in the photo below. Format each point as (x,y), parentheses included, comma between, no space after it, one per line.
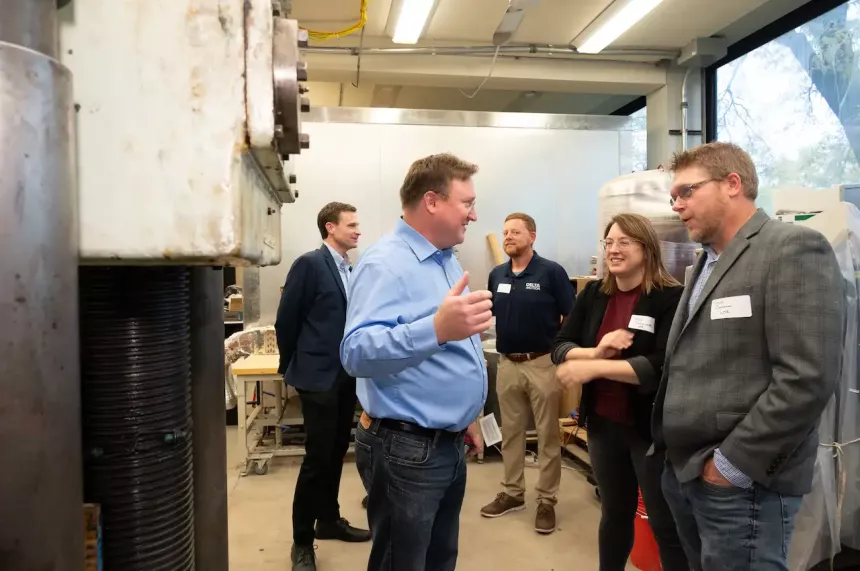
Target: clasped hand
(582,371)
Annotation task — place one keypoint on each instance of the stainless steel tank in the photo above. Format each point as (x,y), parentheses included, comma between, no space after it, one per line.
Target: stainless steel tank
(647,193)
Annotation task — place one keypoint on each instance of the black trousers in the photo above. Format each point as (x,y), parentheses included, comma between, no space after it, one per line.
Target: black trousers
(328,418)
(617,454)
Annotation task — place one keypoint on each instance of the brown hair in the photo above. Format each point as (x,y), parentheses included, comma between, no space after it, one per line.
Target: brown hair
(433,173)
(720,160)
(640,229)
(528,220)
(331,213)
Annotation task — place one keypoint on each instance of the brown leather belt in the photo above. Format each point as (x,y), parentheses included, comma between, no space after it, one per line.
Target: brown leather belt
(523,357)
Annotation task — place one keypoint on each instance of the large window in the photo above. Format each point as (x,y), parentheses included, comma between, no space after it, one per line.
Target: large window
(794,104)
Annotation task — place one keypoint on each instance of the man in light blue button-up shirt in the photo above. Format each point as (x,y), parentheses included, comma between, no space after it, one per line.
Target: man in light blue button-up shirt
(412,340)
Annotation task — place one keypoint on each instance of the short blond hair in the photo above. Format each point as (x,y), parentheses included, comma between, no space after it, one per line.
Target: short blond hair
(720,160)
(531,226)
(433,173)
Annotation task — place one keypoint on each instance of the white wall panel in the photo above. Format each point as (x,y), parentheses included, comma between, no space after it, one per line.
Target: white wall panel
(552,174)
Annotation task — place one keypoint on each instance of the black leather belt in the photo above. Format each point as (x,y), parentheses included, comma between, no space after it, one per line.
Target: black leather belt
(414,429)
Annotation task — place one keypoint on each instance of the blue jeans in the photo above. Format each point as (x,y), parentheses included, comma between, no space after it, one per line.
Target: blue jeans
(729,528)
(415,487)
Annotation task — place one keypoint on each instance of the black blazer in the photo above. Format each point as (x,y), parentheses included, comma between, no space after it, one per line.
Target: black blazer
(310,323)
(645,355)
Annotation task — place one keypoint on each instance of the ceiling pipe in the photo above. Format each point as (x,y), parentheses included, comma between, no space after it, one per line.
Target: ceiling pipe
(490,50)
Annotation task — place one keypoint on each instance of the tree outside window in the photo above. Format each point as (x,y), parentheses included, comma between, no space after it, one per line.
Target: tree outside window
(794,104)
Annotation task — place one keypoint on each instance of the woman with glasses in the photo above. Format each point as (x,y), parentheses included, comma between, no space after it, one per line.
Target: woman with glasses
(613,344)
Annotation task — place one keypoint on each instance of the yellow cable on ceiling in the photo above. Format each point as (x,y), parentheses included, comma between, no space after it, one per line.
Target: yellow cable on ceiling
(362,20)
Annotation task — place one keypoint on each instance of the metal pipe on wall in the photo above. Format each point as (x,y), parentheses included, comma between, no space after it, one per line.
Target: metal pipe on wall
(40,424)
(207,406)
(508,50)
(684,110)
(30,24)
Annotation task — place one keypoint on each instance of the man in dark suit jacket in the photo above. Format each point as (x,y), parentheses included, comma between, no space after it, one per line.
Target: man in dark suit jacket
(752,359)
(309,329)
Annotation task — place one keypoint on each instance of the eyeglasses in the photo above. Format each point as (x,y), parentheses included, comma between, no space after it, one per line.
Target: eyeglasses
(622,243)
(684,191)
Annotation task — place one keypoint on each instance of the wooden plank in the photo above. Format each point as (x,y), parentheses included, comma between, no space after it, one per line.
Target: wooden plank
(257,365)
(495,249)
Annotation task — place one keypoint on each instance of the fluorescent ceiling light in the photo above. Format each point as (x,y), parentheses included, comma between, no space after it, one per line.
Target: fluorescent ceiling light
(614,21)
(412,20)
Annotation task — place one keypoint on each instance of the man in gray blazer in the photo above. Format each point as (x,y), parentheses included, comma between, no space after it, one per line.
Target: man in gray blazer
(753,358)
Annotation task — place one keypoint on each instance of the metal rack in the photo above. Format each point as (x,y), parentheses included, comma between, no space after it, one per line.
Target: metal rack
(260,371)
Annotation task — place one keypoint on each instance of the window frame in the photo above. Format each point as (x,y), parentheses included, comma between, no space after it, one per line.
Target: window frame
(806,13)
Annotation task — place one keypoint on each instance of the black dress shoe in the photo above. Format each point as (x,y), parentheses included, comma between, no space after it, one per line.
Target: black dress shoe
(303,558)
(364,502)
(340,529)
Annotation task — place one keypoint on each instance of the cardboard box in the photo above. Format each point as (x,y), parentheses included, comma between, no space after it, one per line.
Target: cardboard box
(235,303)
(569,401)
(92,537)
(579,282)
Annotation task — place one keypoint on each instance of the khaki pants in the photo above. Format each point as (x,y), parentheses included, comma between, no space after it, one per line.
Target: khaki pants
(525,390)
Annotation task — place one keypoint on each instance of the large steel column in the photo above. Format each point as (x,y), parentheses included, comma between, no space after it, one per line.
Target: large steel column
(30,24)
(41,500)
(207,405)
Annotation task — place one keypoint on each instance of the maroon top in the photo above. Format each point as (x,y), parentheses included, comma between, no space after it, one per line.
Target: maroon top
(612,398)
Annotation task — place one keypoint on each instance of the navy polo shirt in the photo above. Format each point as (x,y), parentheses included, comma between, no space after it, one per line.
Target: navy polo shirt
(529,306)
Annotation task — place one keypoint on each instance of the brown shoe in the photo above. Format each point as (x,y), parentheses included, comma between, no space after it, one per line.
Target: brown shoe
(501,505)
(545,519)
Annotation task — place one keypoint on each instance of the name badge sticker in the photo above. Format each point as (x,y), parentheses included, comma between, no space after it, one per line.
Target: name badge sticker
(504,288)
(642,323)
(737,307)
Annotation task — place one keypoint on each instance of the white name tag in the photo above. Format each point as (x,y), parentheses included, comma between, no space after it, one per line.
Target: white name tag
(736,307)
(642,323)
(504,288)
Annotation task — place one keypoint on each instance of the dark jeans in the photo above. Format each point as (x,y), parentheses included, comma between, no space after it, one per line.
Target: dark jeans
(617,454)
(415,488)
(328,418)
(731,529)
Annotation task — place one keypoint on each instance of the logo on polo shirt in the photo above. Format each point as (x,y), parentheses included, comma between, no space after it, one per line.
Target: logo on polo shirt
(535,287)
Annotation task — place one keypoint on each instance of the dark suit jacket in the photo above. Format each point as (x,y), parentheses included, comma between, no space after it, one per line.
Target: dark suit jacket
(754,386)
(310,323)
(645,355)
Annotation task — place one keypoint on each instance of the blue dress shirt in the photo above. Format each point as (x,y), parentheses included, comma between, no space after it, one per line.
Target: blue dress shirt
(390,343)
(724,466)
(342,267)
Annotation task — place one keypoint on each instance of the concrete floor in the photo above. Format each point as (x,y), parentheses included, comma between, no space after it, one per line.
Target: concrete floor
(261,530)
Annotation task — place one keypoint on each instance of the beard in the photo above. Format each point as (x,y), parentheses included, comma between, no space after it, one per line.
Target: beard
(706,233)
(709,227)
(513,250)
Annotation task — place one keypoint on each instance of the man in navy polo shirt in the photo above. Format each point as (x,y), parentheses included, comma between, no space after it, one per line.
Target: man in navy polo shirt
(531,296)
